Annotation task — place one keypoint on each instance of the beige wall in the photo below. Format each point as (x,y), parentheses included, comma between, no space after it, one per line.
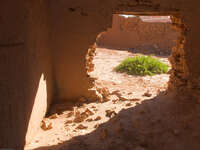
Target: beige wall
(133,33)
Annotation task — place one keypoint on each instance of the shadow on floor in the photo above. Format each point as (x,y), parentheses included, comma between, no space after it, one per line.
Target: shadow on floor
(64,105)
(161,123)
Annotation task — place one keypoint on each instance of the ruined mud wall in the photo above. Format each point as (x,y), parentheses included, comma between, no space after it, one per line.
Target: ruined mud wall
(75,27)
(25,70)
(133,33)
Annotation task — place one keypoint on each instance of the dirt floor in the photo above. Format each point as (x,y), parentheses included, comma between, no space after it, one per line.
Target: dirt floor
(138,114)
(128,86)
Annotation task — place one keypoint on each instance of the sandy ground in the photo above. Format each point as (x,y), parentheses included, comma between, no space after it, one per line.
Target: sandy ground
(128,120)
(129,86)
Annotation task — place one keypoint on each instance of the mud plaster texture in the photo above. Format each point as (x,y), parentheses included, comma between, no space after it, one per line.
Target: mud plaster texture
(134,34)
(53,37)
(26,77)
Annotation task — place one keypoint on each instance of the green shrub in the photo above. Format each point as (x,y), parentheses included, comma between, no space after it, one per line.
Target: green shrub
(142,65)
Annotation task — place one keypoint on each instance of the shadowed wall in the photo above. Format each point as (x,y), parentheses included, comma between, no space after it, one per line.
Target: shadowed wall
(25,62)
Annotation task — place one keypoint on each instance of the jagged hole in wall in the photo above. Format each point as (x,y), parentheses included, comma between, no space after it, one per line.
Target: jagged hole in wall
(132,36)
(129,36)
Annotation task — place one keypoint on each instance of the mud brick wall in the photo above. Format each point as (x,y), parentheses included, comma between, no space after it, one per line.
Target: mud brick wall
(133,33)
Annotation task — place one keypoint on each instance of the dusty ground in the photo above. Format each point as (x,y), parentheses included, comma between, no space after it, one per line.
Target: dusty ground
(127,85)
(128,120)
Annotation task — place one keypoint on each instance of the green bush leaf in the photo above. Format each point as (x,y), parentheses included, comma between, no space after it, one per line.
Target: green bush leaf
(142,65)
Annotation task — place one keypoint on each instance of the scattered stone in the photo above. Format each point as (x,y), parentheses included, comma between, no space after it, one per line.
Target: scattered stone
(70,114)
(114,101)
(117,93)
(46,124)
(137,103)
(165,92)
(81,127)
(135,99)
(96,126)
(60,142)
(110,113)
(97,118)
(68,122)
(147,94)
(54,116)
(89,120)
(128,104)
(123,99)
(93,107)
(89,112)
(80,117)
(104,93)
(95,110)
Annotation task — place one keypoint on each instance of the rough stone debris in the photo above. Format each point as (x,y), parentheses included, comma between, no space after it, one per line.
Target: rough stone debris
(81,127)
(97,118)
(46,38)
(54,116)
(46,124)
(147,94)
(110,113)
(80,117)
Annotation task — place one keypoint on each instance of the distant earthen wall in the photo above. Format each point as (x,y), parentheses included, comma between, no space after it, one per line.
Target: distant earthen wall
(133,33)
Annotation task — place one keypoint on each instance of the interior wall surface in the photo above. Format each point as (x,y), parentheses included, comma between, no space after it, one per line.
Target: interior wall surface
(74,28)
(25,63)
(133,33)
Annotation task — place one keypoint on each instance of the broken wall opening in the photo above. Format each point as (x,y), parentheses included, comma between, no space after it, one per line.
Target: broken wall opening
(131,36)
(73,124)
(140,33)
